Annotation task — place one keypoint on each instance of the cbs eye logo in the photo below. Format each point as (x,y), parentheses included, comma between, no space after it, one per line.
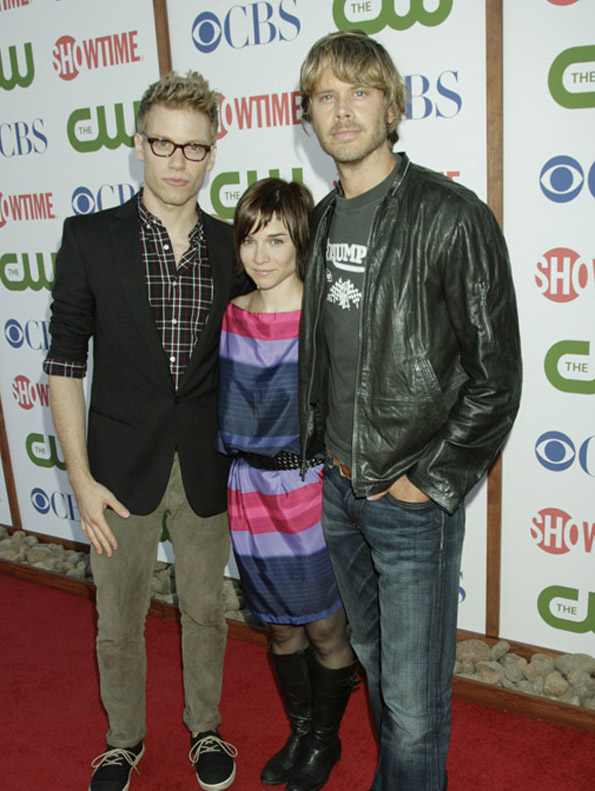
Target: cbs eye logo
(562,178)
(557,452)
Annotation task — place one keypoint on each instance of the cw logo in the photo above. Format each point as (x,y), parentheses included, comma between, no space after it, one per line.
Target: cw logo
(570,86)
(565,372)
(18,272)
(556,607)
(85,136)
(43,451)
(9,81)
(226,190)
(372,16)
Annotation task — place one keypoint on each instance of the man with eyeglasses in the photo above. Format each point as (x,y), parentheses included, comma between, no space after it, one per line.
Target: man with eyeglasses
(148,282)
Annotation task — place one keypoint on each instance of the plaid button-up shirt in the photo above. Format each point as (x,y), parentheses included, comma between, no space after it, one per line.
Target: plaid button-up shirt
(180,296)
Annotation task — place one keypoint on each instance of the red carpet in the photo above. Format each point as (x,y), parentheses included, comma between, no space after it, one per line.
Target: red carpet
(53,725)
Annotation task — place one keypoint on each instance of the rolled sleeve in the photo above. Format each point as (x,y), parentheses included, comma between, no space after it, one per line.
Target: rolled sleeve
(72,320)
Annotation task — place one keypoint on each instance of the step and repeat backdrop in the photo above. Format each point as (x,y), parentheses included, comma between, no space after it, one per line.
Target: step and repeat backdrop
(548,591)
(70,73)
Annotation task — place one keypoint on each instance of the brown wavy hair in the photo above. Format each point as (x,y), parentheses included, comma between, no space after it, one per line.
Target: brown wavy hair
(357,59)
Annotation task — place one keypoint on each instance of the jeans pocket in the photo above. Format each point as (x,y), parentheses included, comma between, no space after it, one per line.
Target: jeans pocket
(407,504)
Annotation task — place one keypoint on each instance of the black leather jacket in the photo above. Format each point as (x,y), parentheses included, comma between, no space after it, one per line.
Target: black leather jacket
(439,372)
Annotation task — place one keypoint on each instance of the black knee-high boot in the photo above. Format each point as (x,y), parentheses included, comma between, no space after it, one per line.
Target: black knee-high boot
(294,682)
(330,691)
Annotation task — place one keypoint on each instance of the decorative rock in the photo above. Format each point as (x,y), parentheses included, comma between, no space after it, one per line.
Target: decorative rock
(488,672)
(508,684)
(525,686)
(40,553)
(512,673)
(540,665)
(161,587)
(499,650)
(572,700)
(579,676)
(569,662)
(555,684)
(13,554)
(231,599)
(513,659)
(76,573)
(585,690)
(473,651)
(464,668)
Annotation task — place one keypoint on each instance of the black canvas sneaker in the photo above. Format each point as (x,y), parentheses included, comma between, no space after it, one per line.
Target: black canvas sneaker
(114,767)
(213,761)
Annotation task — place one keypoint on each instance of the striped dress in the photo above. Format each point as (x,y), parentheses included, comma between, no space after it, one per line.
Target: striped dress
(274,515)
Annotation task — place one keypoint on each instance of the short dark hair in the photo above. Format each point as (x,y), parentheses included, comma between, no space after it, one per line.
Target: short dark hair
(354,57)
(290,202)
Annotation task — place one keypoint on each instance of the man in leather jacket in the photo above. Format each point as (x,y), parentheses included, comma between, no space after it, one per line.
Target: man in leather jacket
(410,380)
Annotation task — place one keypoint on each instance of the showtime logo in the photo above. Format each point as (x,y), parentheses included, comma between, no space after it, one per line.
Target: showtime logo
(9,5)
(562,275)
(26,207)
(556,532)
(95,53)
(259,112)
(27,394)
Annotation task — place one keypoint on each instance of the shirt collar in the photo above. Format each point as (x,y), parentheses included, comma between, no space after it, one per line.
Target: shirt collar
(149,220)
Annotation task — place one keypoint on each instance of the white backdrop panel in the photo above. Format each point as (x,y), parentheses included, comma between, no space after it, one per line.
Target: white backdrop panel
(548,592)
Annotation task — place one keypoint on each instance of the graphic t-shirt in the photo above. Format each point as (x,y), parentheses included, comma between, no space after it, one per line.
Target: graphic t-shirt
(346,258)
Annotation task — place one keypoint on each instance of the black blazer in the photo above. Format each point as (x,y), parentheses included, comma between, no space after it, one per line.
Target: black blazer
(136,418)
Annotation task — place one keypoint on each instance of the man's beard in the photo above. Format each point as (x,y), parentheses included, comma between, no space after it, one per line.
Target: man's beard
(355,150)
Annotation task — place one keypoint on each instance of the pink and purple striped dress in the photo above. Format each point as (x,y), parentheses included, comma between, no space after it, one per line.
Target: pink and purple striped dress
(274,515)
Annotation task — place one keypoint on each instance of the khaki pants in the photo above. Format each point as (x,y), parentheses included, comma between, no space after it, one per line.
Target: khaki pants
(201,547)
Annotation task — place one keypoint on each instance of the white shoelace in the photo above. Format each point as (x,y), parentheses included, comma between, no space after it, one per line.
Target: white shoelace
(211,744)
(115,756)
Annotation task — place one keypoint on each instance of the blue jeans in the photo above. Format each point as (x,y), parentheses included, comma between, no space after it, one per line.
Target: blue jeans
(397,566)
